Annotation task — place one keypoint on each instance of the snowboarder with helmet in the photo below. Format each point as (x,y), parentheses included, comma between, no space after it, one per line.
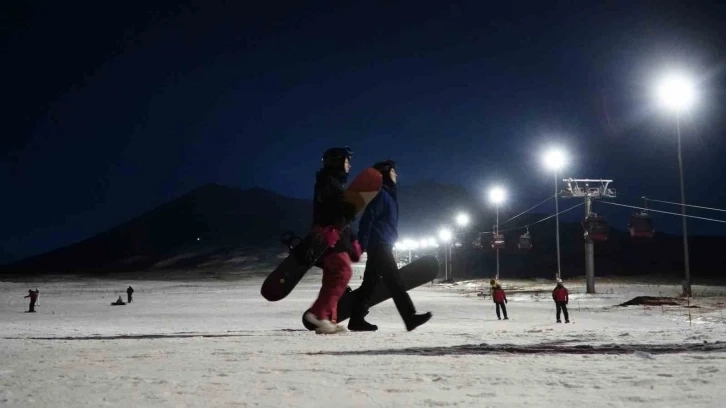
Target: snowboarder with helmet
(561,298)
(332,217)
(378,232)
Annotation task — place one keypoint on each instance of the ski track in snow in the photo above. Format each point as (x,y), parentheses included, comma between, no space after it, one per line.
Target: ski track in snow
(212,343)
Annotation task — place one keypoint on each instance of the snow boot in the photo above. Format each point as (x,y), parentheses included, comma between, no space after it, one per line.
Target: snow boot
(321,326)
(559,321)
(360,324)
(415,320)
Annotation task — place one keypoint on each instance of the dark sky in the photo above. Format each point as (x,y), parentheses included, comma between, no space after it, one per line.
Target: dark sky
(112,108)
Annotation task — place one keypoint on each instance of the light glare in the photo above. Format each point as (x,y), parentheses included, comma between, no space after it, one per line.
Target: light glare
(555,159)
(497,195)
(445,235)
(462,219)
(676,92)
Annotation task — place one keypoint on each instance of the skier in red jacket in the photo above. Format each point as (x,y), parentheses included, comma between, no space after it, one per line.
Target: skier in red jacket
(33,295)
(500,298)
(561,298)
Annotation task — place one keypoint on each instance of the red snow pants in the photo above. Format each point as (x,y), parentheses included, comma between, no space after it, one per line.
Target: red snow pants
(337,271)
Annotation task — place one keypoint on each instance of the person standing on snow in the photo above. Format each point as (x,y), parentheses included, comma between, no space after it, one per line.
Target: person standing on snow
(500,298)
(129,292)
(561,298)
(378,232)
(33,295)
(332,217)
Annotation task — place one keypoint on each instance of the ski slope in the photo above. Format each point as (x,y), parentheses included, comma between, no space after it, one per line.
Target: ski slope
(216,344)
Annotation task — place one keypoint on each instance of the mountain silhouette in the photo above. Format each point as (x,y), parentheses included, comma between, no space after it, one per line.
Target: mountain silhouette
(216,222)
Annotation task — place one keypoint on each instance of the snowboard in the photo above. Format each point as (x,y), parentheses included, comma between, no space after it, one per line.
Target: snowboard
(305,252)
(413,275)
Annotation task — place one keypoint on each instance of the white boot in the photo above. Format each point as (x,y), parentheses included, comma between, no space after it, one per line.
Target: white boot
(322,326)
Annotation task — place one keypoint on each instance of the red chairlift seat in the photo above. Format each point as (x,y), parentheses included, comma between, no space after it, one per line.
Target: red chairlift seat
(596,228)
(641,225)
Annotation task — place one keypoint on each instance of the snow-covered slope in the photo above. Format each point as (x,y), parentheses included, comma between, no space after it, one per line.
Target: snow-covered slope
(210,343)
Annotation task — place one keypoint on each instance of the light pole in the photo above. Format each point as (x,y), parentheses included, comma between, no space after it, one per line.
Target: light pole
(554,159)
(497,196)
(445,236)
(676,93)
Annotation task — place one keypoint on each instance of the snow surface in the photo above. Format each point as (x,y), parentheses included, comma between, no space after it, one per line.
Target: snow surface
(213,343)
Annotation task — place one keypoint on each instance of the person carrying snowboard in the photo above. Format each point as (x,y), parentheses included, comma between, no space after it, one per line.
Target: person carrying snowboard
(561,298)
(33,295)
(332,217)
(129,292)
(378,232)
(500,298)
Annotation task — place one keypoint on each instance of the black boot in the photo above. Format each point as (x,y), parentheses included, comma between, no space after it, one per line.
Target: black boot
(360,324)
(415,320)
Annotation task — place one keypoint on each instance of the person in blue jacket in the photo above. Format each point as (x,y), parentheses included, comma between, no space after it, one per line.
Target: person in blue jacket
(377,233)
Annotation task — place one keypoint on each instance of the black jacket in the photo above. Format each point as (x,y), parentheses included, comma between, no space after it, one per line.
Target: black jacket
(329,207)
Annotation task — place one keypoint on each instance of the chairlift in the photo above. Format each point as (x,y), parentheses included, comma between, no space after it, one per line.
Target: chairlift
(596,227)
(477,244)
(525,241)
(641,225)
(498,241)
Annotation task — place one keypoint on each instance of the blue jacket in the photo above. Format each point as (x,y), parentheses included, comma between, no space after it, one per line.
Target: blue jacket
(379,223)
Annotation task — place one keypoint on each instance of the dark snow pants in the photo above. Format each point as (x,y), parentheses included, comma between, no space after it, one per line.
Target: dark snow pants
(562,306)
(381,266)
(504,309)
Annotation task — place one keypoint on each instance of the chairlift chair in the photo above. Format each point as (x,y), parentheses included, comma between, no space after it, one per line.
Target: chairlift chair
(525,241)
(596,228)
(641,225)
(498,241)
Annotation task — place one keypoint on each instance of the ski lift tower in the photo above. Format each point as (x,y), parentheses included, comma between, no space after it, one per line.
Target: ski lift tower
(595,227)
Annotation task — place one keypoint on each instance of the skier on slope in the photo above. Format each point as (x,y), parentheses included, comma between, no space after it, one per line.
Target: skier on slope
(500,298)
(378,232)
(129,294)
(561,298)
(33,295)
(332,217)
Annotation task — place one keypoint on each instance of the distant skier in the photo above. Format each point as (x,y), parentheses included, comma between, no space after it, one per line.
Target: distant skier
(500,298)
(378,232)
(33,295)
(129,292)
(561,298)
(332,217)
(118,301)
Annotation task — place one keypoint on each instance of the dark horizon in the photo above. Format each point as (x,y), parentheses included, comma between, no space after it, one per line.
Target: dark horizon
(112,115)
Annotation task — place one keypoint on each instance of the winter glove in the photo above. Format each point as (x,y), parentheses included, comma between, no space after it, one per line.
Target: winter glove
(356,251)
(506,301)
(329,234)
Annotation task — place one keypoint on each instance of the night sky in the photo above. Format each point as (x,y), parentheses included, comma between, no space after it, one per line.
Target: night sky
(113,108)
